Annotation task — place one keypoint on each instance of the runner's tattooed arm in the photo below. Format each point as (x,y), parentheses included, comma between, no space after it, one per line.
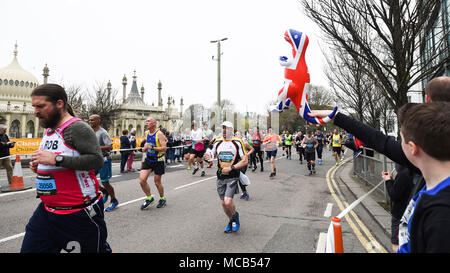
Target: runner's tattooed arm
(81,137)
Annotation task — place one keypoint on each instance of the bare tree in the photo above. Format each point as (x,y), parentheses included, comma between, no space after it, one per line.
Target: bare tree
(387,35)
(101,102)
(319,98)
(75,97)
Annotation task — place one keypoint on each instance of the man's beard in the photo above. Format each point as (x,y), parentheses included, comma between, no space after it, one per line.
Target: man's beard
(52,120)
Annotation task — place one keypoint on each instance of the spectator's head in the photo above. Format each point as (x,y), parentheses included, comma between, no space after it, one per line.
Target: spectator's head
(125,132)
(335,131)
(425,130)
(309,133)
(318,131)
(3,128)
(49,102)
(438,89)
(133,131)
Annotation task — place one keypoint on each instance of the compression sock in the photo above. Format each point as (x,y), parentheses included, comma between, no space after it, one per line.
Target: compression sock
(150,197)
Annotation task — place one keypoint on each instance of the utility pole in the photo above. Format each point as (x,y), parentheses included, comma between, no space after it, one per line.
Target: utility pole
(218,69)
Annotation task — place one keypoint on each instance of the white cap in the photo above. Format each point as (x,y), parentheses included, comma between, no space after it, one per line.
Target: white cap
(227,124)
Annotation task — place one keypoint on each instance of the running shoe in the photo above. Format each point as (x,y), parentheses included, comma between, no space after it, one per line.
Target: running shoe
(105,197)
(147,203)
(210,164)
(245,195)
(203,174)
(235,222)
(254,168)
(162,203)
(337,163)
(228,227)
(195,170)
(271,175)
(112,206)
(320,161)
(189,167)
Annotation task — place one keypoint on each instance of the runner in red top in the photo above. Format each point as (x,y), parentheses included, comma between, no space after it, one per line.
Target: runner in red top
(70,216)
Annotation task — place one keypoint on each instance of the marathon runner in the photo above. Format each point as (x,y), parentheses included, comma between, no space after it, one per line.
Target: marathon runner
(196,159)
(272,141)
(70,216)
(310,144)
(209,135)
(106,171)
(321,140)
(231,157)
(288,138)
(187,149)
(298,144)
(336,142)
(243,170)
(155,149)
(256,139)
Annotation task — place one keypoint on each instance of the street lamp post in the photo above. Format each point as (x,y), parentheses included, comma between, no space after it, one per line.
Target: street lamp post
(218,68)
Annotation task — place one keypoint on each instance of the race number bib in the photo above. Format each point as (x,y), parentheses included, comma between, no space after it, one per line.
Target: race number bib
(45,185)
(226,159)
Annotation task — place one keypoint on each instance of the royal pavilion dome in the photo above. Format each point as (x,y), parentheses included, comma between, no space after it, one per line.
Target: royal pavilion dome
(16,83)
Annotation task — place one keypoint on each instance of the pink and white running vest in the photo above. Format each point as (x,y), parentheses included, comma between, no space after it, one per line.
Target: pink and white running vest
(61,187)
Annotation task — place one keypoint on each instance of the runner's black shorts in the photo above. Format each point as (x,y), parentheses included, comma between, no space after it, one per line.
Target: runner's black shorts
(198,154)
(310,156)
(157,167)
(337,150)
(77,232)
(187,149)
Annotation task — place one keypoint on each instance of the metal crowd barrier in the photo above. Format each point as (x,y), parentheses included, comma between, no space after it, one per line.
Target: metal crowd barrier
(369,168)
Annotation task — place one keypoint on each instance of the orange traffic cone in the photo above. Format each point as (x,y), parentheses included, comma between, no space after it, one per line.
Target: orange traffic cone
(337,230)
(17,179)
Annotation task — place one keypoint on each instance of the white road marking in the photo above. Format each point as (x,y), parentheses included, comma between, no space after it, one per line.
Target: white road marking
(328,210)
(321,243)
(196,182)
(12,237)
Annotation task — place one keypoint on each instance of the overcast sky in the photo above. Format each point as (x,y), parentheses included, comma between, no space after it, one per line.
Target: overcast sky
(88,42)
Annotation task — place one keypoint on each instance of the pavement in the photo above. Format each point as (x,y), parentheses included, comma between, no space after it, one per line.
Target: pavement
(371,203)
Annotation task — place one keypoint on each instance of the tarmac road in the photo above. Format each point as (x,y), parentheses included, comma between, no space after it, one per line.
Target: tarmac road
(283,215)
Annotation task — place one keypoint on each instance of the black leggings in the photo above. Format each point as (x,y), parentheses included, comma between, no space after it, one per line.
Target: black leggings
(253,157)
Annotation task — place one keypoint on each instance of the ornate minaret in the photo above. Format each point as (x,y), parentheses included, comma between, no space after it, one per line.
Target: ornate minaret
(124,83)
(181,106)
(46,74)
(159,94)
(108,89)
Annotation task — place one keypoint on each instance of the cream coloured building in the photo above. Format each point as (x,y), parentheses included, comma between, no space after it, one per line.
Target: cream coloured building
(134,111)
(16,111)
(16,85)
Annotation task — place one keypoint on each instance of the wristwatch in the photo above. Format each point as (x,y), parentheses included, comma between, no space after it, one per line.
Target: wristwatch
(59,159)
(233,168)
